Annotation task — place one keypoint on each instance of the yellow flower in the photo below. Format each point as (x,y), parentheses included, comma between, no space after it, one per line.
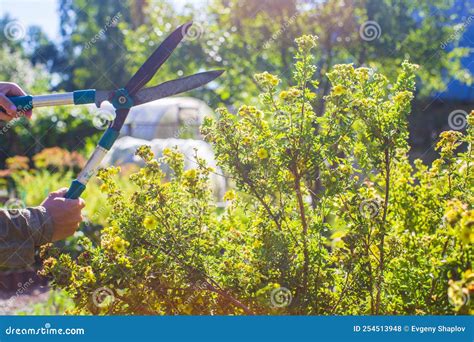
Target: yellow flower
(402,96)
(467,227)
(50,263)
(246,140)
(114,243)
(267,80)
(449,141)
(145,153)
(363,73)
(88,274)
(294,92)
(120,245)
(229,195)
(289,177)
(262,153)
(250,111)
(104,187)
(283,95)
(150,222)
(452,216)
(470,118)
(190,174)
(338,90)
(306,42)
(467,235)
(290,95)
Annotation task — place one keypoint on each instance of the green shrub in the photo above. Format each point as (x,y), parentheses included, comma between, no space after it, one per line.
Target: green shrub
(328,216)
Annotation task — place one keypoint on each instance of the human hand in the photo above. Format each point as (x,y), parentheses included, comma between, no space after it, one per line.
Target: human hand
(65,213)
(10,111)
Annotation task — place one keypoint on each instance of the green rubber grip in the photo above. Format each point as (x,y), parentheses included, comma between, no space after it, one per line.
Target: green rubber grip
(22,102)
(84,96)
(108,138)
(75,190)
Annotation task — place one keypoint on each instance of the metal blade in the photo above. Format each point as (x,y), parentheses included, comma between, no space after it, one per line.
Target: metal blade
(177,86)
(120,116)
(153,63)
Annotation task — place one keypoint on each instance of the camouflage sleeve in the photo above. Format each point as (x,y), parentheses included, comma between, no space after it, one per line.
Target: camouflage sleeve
(20,232)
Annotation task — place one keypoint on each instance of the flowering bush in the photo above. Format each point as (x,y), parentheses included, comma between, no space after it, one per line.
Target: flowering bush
(17,163)
(58,159)
(328,215)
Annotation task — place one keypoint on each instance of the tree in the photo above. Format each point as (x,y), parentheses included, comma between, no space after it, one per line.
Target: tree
(93,44)
(246,36)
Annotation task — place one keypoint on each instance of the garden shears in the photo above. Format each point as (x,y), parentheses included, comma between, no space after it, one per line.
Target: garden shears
(122,100)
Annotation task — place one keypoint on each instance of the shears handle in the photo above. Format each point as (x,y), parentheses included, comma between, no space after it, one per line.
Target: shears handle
(105,143)
(75,189)
(78,97)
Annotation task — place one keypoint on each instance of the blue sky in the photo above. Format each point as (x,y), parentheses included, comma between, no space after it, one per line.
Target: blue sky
(43,13)
(34,12)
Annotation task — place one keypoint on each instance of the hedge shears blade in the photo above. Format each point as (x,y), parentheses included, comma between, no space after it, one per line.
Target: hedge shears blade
(122,100)
(165,89)
(176,86)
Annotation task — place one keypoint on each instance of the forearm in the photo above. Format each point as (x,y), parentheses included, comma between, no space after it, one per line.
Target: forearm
(20,232)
